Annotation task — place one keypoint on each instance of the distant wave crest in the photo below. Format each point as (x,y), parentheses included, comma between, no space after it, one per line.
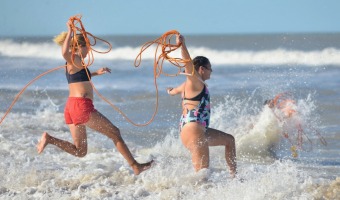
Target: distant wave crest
(327,56)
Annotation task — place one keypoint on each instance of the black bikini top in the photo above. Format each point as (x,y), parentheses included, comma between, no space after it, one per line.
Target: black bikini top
(80,76)
(198,97)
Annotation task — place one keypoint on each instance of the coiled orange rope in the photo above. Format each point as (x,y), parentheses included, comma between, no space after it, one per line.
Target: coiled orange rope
(164,42)
(76,20)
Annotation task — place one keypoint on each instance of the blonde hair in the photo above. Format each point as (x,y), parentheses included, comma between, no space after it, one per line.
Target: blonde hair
(60,39)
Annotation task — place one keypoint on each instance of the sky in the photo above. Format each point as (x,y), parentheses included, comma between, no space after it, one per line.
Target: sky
(153,17)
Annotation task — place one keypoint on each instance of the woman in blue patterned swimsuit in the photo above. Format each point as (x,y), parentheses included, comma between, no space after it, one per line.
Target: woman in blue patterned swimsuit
(194,124)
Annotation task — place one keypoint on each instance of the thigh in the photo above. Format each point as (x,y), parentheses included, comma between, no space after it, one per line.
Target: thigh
(100,123)
(79,136)
(217,138)
(192,134)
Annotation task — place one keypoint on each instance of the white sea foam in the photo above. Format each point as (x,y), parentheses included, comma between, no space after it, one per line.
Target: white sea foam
(327,56)
(104,173)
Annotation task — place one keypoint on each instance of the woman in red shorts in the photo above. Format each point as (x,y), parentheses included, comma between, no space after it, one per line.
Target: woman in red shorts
(79,110)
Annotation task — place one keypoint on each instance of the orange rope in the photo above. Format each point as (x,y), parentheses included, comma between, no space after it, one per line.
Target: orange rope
(76,21)
(164,42)
(75,45)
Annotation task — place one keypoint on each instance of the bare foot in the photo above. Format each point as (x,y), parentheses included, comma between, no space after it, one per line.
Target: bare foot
(233,175)
(139,168)
(42,143)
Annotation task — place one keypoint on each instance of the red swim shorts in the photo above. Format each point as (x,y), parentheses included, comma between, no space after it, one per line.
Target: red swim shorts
(77,110)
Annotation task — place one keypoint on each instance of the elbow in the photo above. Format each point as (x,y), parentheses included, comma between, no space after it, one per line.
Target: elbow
(65,53)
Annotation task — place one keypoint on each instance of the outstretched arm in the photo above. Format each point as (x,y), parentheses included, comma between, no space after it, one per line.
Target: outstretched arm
(101,71)
(174,91)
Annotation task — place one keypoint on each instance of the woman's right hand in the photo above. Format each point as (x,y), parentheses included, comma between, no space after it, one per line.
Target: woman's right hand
(180,39)
(69,24)
(169,89)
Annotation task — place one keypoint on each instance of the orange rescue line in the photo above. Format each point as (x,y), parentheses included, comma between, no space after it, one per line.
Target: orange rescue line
(166,48)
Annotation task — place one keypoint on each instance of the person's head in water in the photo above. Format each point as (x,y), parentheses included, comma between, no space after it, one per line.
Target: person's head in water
(269,102)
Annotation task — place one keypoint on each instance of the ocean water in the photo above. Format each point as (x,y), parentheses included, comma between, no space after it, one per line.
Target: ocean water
(247,69)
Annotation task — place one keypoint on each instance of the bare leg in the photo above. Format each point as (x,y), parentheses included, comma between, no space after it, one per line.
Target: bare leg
(219,138)
(193,138)
(79,148)
(101,124)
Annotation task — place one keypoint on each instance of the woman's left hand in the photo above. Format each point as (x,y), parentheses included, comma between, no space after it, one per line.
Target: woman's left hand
(103,70)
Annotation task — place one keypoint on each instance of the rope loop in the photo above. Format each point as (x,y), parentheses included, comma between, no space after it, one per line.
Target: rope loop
(77,28)
(163,43)
(166,47)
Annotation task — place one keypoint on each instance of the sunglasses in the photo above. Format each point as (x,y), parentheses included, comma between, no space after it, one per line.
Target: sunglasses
(207,68)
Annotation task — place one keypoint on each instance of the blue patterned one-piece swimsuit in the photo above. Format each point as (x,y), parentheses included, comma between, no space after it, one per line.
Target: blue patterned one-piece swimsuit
(200,114)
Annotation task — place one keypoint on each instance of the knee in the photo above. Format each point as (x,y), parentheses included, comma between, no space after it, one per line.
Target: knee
(230,141)
(115,135)
(81,151)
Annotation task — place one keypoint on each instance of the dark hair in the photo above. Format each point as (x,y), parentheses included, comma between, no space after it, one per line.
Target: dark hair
(200,61)
(80,39)
(266,101)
